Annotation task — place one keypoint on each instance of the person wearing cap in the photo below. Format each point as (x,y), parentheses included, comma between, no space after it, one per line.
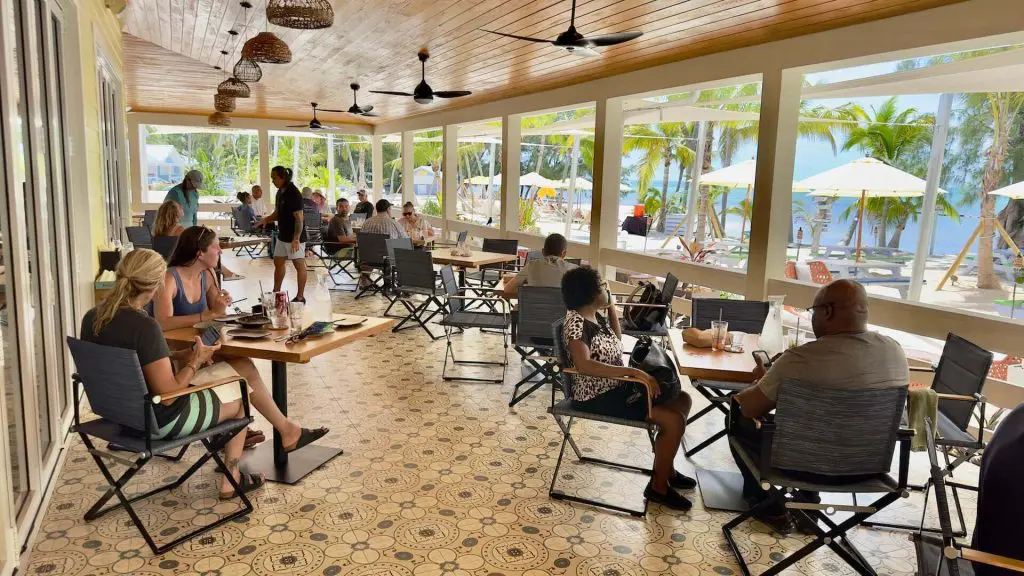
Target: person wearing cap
(363,206)
(186,195)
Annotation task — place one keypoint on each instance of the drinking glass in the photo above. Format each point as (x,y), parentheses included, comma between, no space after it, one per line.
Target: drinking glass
(719,334)
(295,310)
(736,341)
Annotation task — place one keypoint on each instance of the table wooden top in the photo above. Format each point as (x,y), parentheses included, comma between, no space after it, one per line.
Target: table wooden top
(300,352)
(236,242)
(708,364)
(475,259)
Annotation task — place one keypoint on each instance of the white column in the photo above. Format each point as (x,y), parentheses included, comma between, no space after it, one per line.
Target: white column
(450,175)
(604,212)
(511,139)
(377,165)
(136,147)
(773,179)
(931,195)
(332,193)
(408,168)
(264,176)
(570,193)
(695,170)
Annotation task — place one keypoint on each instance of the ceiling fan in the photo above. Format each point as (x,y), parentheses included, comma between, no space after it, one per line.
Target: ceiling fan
(423,93)
(313,124)
(355,108)
(576,43)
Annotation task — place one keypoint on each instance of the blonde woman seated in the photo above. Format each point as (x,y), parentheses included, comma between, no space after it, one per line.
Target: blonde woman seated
(190,295)
(121,321)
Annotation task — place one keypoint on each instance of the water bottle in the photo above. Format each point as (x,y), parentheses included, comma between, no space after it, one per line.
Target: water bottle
(322,306)
(771,340)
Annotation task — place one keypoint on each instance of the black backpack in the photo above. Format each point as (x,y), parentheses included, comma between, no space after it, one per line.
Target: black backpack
(642,318)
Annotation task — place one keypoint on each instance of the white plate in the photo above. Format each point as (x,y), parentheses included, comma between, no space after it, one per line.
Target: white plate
(248,334)
(349,322)
(203,325)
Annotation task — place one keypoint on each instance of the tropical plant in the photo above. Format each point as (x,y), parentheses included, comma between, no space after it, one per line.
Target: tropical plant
(809,215)
(659,145)
(528,216)
(431,208)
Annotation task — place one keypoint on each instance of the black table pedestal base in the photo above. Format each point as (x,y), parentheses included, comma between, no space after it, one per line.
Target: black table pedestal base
(300,463)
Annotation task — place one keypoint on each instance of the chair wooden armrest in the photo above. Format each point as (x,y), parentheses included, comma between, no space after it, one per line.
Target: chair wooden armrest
(958,397)
(986,558)
(158,398)
(647,387)
(922,368)
(484,298)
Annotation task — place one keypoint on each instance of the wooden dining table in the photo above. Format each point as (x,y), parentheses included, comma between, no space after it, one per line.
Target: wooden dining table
(476,259)
(271,460)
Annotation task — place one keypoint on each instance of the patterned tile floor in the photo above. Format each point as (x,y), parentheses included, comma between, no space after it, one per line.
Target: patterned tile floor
(437,479)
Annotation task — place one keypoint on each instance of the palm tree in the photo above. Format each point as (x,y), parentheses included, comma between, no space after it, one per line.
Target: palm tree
(659,145)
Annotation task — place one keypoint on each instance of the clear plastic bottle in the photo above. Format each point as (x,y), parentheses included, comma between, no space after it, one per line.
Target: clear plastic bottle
(322,307)
(771,340)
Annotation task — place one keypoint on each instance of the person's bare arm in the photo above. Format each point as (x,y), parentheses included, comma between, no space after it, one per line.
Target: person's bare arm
(299,227)
(511,287)
(581,359)
(753,403)
(613,318)
(161,379)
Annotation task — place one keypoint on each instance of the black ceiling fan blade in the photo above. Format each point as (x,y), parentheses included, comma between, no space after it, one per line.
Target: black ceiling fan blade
(609,39)
(527,38)
(452,93)
(298,125)
(370,114)
(391,93)
(329,110)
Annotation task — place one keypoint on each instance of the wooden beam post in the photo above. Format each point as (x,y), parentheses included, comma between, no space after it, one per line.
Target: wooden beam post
(511,141)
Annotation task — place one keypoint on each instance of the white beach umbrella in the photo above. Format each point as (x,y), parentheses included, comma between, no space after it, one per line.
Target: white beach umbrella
(737,176)
(864,178)
(535,179)
(581,183)
(1013,191)
(484,180)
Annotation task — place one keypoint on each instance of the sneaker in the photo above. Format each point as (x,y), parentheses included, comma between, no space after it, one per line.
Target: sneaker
(670,498)
(680,481)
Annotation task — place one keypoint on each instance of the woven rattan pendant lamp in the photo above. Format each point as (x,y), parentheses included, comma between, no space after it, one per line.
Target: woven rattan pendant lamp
(300,14)
(218,119)
(246,69)
(223,103)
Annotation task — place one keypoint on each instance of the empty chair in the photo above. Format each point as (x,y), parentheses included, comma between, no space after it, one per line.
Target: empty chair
(165,245)
(373,259)
(148,219)
(460,318)
(389,273)
(489,275)
(415,276)
(139,236)
(538,306)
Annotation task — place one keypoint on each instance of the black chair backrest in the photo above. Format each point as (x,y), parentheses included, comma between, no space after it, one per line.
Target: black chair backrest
(668,289)
(742,315)
(538,306)
(836,431)
(139,236)
(242,222)
(501,246)
(462,237)
(311,222)
(113,382)
(148,219)
(396,243)
(565,380)
(373,248)
(963,368)
(165,245)
(414,269)
(451,288)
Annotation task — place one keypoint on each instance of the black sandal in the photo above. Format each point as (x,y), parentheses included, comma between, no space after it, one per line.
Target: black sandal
(253,437)
(247,483)
(307,437)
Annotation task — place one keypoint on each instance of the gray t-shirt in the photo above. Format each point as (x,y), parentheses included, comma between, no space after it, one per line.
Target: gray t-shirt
(545,272)
(863,360)
(338,227)
(129,329)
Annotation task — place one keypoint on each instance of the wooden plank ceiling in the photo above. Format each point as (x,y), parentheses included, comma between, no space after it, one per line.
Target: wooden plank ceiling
(171,47)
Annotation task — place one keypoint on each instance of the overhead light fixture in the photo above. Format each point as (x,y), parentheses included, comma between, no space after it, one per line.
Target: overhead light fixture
(267,48)
(223,103)
(218,119)
(300,14)
(233,87)
(246,69)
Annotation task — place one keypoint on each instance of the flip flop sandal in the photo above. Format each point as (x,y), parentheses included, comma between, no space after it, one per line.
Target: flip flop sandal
(247,483)
(254,437)
(307,437)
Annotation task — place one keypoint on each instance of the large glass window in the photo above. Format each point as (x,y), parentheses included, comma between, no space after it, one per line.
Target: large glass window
(394,188)
(556,173)
(479,198)
(428,154)
(353,160)
(687,174)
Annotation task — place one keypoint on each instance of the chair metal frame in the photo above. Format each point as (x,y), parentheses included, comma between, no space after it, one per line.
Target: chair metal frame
(242,230)
(717,393)
(456,303)
(412,284)
(376,284)
(391,272)
(777,483)
(566,410)
(539,355)
(213,440)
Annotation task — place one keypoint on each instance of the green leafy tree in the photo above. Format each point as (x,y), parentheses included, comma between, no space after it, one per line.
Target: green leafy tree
(659,146)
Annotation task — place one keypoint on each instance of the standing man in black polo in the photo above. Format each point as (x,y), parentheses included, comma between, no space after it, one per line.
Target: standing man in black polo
(291,236)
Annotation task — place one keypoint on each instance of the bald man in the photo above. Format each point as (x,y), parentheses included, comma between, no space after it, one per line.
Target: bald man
(845,355)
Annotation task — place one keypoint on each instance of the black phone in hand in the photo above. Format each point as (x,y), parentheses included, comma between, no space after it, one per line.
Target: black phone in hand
(210,336)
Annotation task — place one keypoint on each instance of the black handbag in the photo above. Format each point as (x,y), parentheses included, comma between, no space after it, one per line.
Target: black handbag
(650,357)
(643,318)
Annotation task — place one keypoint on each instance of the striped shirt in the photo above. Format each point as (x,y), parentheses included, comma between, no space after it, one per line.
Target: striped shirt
(383,224)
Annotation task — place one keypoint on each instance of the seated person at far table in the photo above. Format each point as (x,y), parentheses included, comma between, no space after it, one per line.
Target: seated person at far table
(594,344)
(121,321)
(547,271)
(363,205)
(190,295)
(998,529)
(415,225)
(381,223)
(339,237)
(845,355)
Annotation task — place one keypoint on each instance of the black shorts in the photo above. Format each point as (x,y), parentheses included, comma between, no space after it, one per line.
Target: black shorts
(627,400)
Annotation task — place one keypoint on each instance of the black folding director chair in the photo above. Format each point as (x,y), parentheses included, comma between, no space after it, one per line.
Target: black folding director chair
(458,317)
(391,270)
(668,291)
(139,236)
(489,275)
(415,276)
(958,381)
(565,413)
(148,219)
(244,227)
(373,260)
(538,306)
(116,388)
(746,316)
(827,440)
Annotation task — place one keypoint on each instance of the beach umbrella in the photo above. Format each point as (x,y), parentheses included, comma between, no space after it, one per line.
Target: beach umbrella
(484,180)
(864,178)
(737,176)
(535,179)
(581,183)
(1013,191)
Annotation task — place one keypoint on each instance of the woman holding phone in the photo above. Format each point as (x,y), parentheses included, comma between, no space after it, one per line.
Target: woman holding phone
(190,295)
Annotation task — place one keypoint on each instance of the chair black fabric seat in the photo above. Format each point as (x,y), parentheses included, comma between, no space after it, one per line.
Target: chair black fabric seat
(951,435)
(475,320)
(879,484)
(484,276)
(565,409)
(929,556)
(135,441)
(722,385)
(658,331)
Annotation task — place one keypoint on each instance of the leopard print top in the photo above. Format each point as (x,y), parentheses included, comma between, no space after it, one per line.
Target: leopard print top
(604,346)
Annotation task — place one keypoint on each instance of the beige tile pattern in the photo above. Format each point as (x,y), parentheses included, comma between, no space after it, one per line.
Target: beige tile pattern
(436,479)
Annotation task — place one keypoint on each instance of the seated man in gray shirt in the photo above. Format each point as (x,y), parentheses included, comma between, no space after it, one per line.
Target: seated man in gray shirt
(339,234)
(845,355)
(547,271)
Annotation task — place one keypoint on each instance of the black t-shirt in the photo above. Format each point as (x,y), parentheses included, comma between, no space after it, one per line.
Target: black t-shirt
(286,204)
(998,529)
(364,207)
(129,329)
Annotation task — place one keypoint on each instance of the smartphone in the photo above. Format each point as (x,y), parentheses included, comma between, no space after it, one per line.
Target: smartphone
(761,355)
(210,336)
